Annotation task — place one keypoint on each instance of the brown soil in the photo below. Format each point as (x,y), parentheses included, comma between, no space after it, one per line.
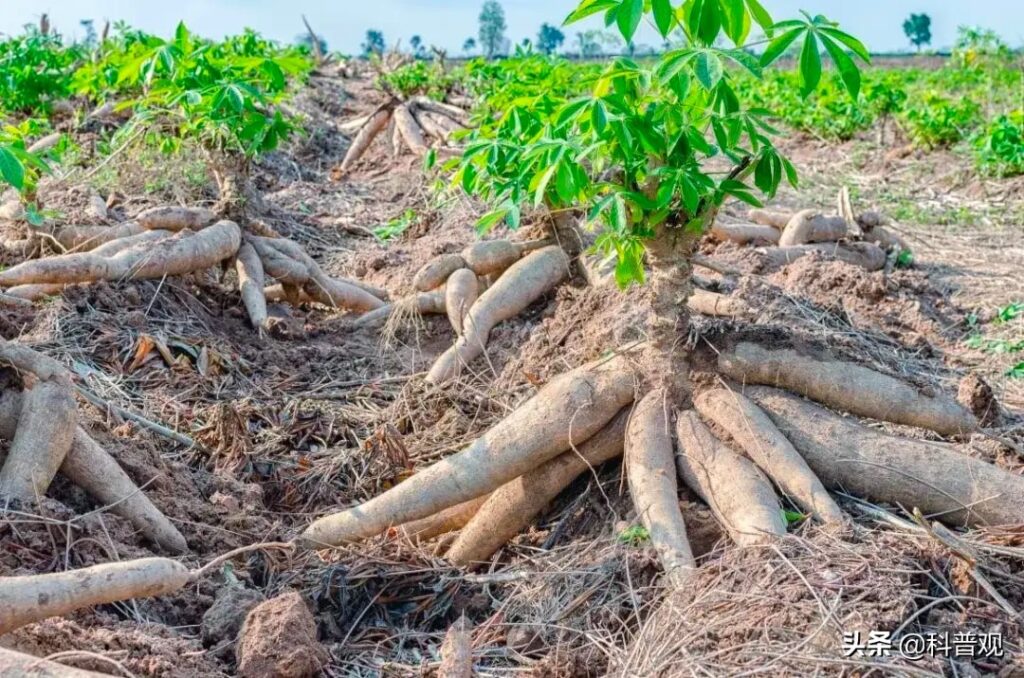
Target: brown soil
(322,416)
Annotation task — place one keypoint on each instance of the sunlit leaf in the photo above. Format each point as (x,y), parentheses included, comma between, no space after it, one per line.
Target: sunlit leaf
(663,16)
(810,64)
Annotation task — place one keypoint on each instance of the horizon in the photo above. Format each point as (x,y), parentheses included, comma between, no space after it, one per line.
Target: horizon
(448,23)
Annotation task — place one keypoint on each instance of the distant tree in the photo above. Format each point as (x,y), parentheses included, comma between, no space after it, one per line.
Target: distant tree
(492,28)
(307,40)
(588,44)
(918,28)
(549,39)
(418,50)
(469,45)
(374,43)
(90,38)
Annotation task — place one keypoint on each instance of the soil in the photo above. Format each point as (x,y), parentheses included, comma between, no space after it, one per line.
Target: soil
(327,414)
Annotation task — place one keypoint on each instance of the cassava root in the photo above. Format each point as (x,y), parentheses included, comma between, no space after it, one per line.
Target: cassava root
(738,493)
(934,477)
(36,597)
(522,284)
(651,474)
(846,386)
(756,435)
(567,411)
(91,468)
(514,505)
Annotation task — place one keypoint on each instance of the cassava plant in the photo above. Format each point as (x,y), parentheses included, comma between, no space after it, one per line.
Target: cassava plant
(415,115)
(228,97)
(643,163)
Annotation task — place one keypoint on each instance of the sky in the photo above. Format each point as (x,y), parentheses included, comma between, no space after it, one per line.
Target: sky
(447,23)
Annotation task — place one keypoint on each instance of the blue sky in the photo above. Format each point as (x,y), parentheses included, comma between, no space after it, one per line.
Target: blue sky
(449,22)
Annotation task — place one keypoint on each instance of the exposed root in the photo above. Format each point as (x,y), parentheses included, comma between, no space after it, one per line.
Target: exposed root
(867,255)
(412,133)
(85,238)
(369,131)
(460,293)
(90,467)
(172,218)
(250,284)
(290,265)
(495,256)
(36,597)
(433,274)
(45,425)
(773,218)
(454,112)
(809,226)
(756,435)
(395,313)
(522,284)
(443,522)
(934,477)
(743,234)
(570,409)
(846,386)
(184,253)
(715,304)
(651,474)
(740,496)
(513,506)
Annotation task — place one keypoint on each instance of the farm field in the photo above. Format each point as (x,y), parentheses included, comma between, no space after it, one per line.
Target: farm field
(703,362)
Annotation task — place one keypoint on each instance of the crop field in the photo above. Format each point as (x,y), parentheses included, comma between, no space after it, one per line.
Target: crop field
(705,360)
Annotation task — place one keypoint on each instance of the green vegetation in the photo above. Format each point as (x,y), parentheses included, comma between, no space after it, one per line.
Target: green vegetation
(225,96)
(631,144)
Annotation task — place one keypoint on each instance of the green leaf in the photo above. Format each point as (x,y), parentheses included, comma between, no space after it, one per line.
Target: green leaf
(791,175)
(588,8)
(810,64)
(853,43)
(737,20)
(429,160)
(629,16)
(708,69)
(792,517)
(708,20)
(11,169)
(779,45)
(599,117)
(663,16)
(672,63)
(848,70)
(565,183)
(761,16)
(745,59)
(542,184)
(490,220)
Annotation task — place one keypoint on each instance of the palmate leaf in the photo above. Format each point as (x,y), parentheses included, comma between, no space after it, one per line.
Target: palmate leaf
(628,17)
(779,45)
(810,64)
(589,8)
(11,169)
(664,17)
(736,20)
(848,70)
(814,30)
(761,16)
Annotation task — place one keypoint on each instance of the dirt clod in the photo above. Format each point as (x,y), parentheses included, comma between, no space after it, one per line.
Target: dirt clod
(227,614)
(278,640)
(977,396)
